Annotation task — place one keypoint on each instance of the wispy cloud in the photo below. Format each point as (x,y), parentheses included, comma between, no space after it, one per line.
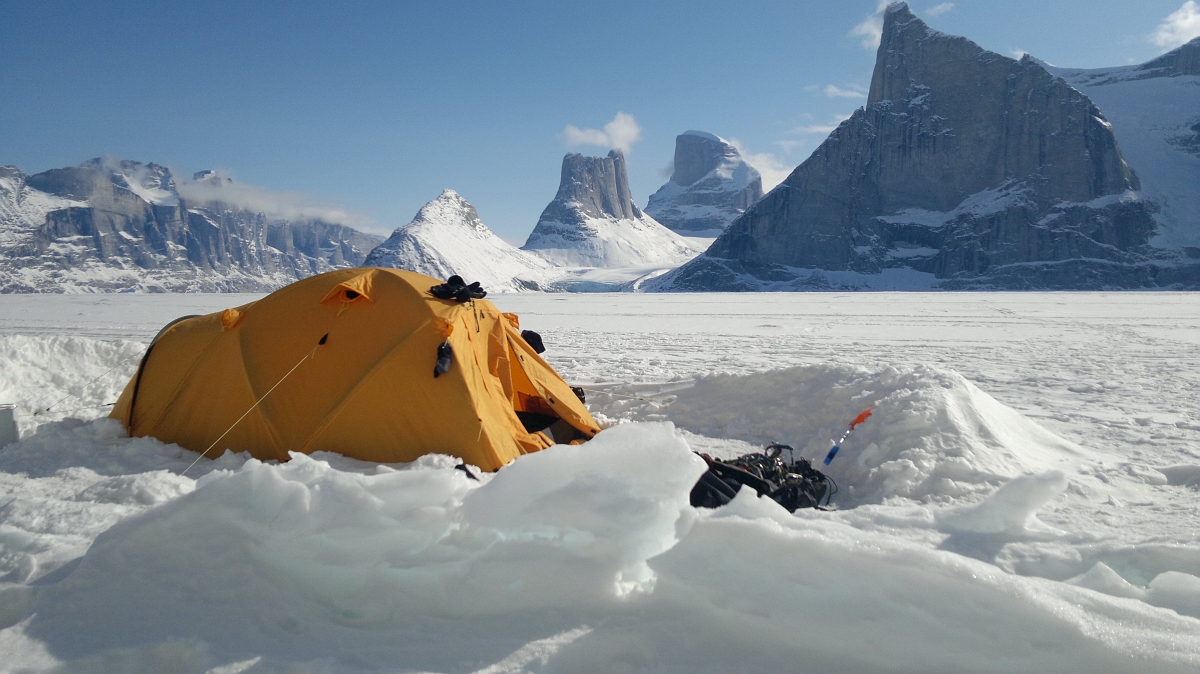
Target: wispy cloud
(1018,53)
(667,171)
(815,128)
(772,169)
(870,30)
(218,186)
(821,128)
(620,134)
(837,92)
(1179,27)
(938,10)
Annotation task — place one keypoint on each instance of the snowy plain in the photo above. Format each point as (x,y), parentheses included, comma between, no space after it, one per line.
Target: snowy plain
(1025,498)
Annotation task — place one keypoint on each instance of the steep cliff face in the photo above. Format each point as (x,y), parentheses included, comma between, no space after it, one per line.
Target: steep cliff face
(593,222)
(965,169)
(114,226)
(447,237)
(710,187)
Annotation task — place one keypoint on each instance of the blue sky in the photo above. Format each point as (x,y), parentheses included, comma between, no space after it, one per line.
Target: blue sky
(378,106)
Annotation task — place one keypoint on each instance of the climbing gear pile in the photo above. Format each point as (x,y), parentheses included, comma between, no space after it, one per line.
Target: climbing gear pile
(793,485)
(456,289)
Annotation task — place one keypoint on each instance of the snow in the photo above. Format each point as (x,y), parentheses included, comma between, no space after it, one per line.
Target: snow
(158,196)
(1149,115)
(447,237)
(705,135)
(23,210)
(986,202)
(1022,499)
(936,436)
(611,242)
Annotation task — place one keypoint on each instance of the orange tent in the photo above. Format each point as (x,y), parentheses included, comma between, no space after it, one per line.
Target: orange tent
(344,362)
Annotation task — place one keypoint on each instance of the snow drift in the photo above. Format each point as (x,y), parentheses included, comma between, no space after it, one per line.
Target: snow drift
(934,436)
(589,552)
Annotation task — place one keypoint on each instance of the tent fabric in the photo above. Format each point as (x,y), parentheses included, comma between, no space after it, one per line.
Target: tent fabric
(360,346)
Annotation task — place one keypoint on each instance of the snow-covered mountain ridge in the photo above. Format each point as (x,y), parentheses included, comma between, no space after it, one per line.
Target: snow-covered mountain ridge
(109,225)
(447,237)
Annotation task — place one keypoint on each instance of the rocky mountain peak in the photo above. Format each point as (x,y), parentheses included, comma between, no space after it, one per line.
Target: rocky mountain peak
(710,186)
(155,178)
(697,153)
(966,165)
(447,237)
(959,94)
(450,207)
(599,185)
(593,222)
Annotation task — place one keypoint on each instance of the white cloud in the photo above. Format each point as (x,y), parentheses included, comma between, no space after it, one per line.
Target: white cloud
(870,30)
(665,172)
(621,133)
(1179,27)
(938,10)
(837,92)
(1018,53)
(821,128)
(815,128)
(283,205)
(773,170)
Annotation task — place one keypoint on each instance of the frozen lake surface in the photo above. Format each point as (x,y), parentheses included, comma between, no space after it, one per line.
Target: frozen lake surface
(1023,499)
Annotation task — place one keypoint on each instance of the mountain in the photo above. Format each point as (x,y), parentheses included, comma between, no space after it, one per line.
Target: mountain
(1155,112)
(447,237)
(711,186)
(593,222)
(966,169)
(109,225)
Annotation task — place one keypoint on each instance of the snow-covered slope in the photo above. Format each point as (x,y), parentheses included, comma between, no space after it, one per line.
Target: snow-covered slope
(1154,109)
(593,222)
(447,237)
(711,186)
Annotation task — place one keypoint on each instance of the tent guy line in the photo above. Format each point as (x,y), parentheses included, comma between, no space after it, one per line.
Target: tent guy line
(73,393)
(256,402)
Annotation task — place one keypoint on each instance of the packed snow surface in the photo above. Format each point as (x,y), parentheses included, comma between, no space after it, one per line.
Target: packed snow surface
(1023,498)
